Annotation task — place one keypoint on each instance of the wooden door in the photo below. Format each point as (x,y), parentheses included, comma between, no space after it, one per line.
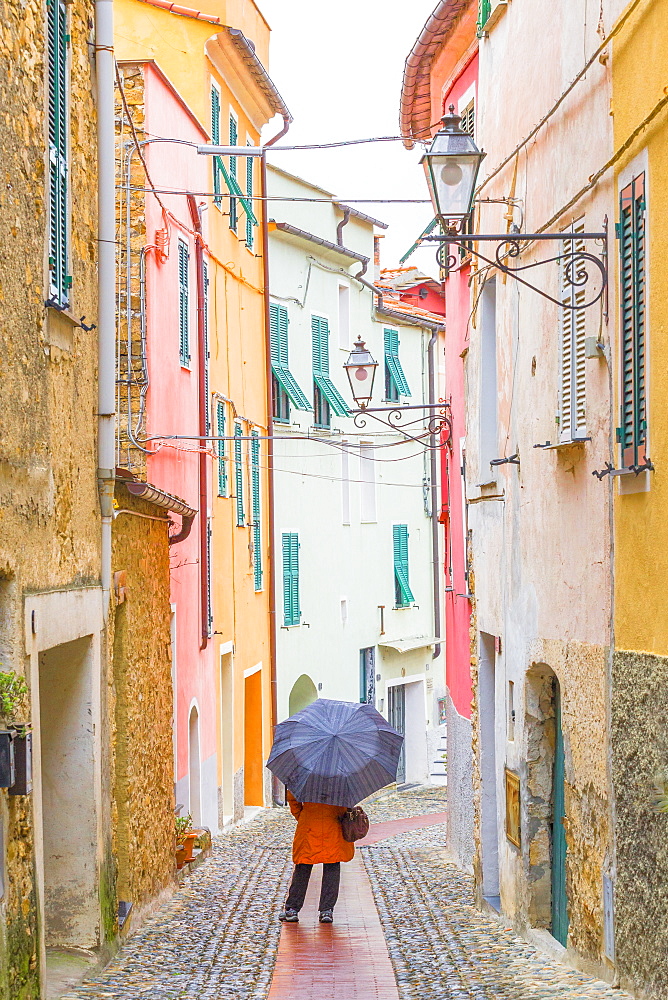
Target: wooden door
(396,716)
(559,892)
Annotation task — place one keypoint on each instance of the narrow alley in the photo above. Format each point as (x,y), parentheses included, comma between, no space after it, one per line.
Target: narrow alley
(423,939)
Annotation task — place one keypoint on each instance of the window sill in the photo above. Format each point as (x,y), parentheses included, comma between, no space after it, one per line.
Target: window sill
(288,628)
(405,607)
(549,446)
(65,314)
(497,12)
(186,368)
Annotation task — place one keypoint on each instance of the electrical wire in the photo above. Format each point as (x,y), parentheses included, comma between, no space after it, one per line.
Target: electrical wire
(274,197)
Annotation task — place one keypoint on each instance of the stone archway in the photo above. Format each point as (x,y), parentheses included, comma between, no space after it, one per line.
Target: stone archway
(303,693)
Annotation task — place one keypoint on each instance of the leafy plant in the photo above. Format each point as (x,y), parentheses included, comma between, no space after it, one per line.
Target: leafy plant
(661,792)
(182,827)
(13,690)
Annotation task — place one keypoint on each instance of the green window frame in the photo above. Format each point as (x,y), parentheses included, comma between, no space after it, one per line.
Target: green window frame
(284,383)
(238,476)
(233,138)
(403,595)
(324,390)
(249,195)
(396,383)
(215,139)
(220,448)
(256,510)
(60,281)
(184,325)
(484,10)
(207,353)
(632,432)
(291,608)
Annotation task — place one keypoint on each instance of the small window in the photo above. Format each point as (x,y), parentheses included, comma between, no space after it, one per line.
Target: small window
(284,384)
(184,325)
(403,595)
(632,430)
(396,383)
(322,415)
(239,475)
(291,608)
(467,123)
(326,397)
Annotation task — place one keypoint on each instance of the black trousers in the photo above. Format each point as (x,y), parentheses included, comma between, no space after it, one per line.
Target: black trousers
(331,876)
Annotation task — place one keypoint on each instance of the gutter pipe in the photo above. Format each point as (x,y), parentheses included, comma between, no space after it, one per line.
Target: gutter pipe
(202,414)
(106,289)
(271,514)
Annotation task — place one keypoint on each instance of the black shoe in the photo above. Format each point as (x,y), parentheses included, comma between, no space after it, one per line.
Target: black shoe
(326,916)
(289,916)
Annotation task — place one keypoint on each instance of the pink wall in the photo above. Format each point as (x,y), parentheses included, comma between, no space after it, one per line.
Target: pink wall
(457,605)
(433,301)
(172,399)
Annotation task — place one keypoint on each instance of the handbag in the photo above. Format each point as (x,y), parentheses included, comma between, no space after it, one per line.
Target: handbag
(354,824)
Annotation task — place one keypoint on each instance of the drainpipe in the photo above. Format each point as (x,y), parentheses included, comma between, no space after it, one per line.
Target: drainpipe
(106,248)
(342,223)
(202,413)
(270,443)
(433,458)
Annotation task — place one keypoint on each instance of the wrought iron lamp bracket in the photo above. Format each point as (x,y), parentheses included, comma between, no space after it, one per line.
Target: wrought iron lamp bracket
(509,247)
(436,416)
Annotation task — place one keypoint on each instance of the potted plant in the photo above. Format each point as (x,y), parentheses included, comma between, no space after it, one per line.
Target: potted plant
(185,839)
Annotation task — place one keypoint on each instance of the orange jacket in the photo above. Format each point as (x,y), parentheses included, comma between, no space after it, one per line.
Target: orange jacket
(318,837)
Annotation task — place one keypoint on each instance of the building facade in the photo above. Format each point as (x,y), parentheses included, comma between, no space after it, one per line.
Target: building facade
(354,582)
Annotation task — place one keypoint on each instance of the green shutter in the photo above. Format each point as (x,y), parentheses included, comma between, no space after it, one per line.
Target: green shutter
(249,195)
(255,499)
(400,540)
(207,356)
(215,139)
(222,463)
(184,333)
(278,335)
(233,186)
(238,476)
(632,432)
(393,363)
(209,598)
(320,348)
(291,608)
(484,10)
(233,173)
(59,280)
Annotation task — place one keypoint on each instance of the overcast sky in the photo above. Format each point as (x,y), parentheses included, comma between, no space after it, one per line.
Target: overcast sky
(339,69)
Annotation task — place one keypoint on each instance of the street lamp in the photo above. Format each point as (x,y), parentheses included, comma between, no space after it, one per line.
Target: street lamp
(361,371)
(451,166)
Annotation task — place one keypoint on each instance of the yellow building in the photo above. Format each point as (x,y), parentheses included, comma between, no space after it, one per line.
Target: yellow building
(212,63)
(640,662)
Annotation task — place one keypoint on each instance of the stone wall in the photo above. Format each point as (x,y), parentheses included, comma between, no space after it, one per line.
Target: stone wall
(640,752)
(143,698)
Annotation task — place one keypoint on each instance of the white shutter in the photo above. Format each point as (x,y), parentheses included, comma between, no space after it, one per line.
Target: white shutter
(566,363)
(572,394)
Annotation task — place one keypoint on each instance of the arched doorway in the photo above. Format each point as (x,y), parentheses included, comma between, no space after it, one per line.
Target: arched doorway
(194,775)
(303,693)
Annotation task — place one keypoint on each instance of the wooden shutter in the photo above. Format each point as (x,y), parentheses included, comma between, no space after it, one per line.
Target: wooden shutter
(209,596)
(572,332)
(291,608)
(393,363)
(222,463)
(255,501)
(484,10)
(215,139)
(59,279)
(278,335)
(320,353)
(238,476)
(249,194)
(233,138)
(184,331)
(632,432)
(207,355)
(400,541)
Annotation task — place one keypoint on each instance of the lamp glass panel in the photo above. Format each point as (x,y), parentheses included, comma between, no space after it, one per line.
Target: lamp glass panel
(451,181)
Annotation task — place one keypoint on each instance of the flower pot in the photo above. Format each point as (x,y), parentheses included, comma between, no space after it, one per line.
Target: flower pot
(180,856)
(189,843)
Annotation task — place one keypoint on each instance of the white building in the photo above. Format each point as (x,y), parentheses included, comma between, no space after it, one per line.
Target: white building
(355,559)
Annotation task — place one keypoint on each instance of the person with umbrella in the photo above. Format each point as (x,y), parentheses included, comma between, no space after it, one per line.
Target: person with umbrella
(329,756)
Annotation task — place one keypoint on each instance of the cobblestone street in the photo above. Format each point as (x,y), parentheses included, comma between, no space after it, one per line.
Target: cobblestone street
(219,935)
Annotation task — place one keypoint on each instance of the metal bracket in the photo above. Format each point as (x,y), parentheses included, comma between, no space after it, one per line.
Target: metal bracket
(511,460)
(510,246)
(437,415)
(610,470)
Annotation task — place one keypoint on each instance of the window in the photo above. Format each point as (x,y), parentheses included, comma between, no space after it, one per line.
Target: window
(209,600)
(368,675)
(184,329)
(395,380)
(249,195)
(284,384)
(484,10)
(632,432)
(291,609)
(238,476)
(234,136)
(488,384)
(468,119)
(368,483)
(215,139)
(344,316)
(220,448)
(205,274)
(255,501)
(403,595)
(326,396)
(60,281)
(572,347)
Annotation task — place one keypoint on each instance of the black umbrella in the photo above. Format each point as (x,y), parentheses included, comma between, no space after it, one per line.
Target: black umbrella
(336,752)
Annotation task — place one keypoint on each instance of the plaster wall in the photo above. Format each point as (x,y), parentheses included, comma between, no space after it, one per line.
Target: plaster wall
(541,553)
